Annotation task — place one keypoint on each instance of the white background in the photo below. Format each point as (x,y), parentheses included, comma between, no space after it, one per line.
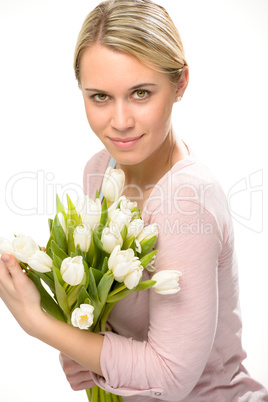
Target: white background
(45,135)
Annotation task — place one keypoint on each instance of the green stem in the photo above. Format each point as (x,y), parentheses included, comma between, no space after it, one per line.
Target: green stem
(93,394)
(105,315)
(97,394)
(117,290)
(102,396)
(116,398)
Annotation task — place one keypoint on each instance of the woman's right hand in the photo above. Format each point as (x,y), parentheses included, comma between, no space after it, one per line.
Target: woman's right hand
(78,376)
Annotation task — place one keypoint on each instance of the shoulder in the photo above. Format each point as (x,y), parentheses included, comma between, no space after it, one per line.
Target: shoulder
(94,170)
(189,191)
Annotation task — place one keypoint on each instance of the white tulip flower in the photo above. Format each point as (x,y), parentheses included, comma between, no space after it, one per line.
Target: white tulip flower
(82,317)
(110,238)
(167,282)
(6,246)
(126,204)
(150,267)
(89,210)
(40,261)
(148,232)
(72,270)
(82,237)
(120,219)
(132,279)
(122,262)
(134,228)
(113,184)
(24,247)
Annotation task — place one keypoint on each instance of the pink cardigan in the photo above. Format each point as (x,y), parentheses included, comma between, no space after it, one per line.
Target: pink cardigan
(187,346)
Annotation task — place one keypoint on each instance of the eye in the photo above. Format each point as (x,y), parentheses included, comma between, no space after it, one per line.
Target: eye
(100,97)
(140,94)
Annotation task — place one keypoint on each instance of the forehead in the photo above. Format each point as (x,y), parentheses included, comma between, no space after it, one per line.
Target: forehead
(104,67)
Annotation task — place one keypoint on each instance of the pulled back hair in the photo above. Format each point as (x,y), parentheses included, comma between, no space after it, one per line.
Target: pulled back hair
(139,28)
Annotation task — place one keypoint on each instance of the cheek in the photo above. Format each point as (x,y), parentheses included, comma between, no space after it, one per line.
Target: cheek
(159,115)
(95,117)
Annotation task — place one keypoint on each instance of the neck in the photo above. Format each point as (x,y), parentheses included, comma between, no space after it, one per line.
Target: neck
(147,173)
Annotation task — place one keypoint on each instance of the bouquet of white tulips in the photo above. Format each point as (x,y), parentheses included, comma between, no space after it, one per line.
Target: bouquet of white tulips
(94,257)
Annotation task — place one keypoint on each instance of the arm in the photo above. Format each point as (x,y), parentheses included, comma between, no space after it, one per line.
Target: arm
(182,326)
(23,300)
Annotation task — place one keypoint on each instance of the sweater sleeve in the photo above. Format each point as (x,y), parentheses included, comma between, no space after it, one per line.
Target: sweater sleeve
(182,326)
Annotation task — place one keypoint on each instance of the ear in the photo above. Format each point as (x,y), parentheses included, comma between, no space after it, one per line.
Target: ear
(182,84)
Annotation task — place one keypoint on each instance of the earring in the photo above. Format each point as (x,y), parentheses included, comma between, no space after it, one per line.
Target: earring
(179,98)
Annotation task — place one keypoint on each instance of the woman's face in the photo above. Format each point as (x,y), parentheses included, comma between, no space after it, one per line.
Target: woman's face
(128,104)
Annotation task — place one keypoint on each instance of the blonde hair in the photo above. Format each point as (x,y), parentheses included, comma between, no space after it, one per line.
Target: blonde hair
(139,28)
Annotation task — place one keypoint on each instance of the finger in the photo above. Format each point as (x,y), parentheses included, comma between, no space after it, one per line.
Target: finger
(4,272)
(66,361)
(11,264)
(69,366)
(63,358)
(5,277)
(14,271)
(83,385)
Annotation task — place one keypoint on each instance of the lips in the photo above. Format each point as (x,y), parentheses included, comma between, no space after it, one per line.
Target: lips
(125,143)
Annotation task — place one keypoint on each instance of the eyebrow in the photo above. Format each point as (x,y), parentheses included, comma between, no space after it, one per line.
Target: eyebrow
(145,84)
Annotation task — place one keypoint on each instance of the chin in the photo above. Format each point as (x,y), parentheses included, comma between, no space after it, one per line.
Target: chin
(127,158)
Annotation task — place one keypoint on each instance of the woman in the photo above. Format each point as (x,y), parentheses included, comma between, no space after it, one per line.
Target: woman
(131,69)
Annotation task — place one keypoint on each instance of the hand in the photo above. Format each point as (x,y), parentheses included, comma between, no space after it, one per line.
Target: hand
(78,376)
(19,293)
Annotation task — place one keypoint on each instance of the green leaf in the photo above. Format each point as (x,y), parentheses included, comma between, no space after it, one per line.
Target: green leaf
(56,261)
(58,234)
(78,251)
(117,288)
(92,288)
(82,297)
(89,257)
(71,245)
(105,267)
(60,291)
(47,302)
(124,291)
(71,212)
(104,213)
(97,194)
(144,285)
(48,246)
(129,243)
(147,258)
(119,296)
(50,224)
(60,207)
(147,245)
(97,275)
(124,233)
(97,241)
(105,285)
(56,250)
(48,278)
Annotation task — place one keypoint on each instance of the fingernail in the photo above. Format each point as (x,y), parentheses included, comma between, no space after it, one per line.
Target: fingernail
(6,257)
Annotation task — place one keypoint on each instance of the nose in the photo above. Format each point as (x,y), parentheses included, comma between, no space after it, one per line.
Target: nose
(122,116)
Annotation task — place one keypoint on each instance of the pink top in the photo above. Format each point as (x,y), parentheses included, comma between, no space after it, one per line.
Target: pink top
(187,346)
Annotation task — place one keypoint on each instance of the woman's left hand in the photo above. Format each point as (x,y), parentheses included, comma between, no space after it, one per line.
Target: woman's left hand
(19,293)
